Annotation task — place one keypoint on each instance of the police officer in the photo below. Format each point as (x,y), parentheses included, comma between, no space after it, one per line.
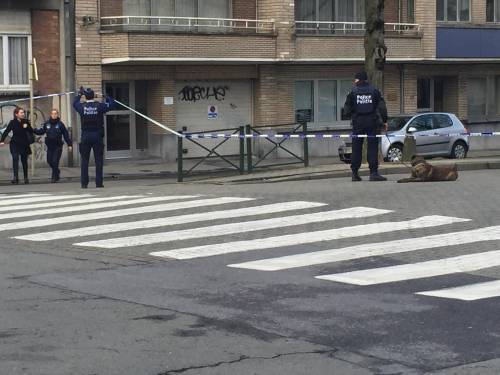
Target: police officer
(92,138)
(54,130)
(366,107)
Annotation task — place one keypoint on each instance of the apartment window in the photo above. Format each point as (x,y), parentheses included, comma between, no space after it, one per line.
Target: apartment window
(493,10)
(453,10)
(177,8)
(330,10)
(304,101)
(320,102)
(410,13)
(497,95)
(15,54)
(424,94)
(477,97)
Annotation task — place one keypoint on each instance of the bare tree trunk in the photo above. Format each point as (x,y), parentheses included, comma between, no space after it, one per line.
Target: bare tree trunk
(375,49)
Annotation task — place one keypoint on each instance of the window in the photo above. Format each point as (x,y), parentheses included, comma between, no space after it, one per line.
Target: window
(320,101)
(304,101)
(177,8)
(497,95)
(441,121)
(410,6)
(493,10)
(477,97)
(453,10)
(15,55)
(330,10)
(422,123)
(424,94)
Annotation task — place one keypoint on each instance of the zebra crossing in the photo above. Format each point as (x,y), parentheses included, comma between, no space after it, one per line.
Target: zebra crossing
(90,212)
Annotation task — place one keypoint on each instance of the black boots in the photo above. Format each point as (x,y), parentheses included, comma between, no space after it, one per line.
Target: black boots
(15,181)
(373,177)
(376,177)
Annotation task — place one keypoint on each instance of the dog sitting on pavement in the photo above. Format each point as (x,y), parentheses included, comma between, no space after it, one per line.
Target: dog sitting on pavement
(421,171)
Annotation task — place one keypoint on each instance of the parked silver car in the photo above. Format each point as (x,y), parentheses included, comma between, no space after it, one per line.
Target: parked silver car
(432,131)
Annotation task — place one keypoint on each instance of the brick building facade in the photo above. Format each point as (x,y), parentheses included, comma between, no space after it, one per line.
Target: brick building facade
(34,30)
(266,62)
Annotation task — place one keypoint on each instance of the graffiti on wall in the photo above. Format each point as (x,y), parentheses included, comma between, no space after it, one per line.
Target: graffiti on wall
(196,93)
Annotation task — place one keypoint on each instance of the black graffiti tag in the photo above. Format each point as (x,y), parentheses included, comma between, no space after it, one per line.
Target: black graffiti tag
(196,93)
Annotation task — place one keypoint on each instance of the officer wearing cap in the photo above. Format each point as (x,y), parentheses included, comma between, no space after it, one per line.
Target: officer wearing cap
(366,107)
(92,137)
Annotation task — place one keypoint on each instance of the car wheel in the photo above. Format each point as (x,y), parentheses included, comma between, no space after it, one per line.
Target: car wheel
(459,150)
(395,153)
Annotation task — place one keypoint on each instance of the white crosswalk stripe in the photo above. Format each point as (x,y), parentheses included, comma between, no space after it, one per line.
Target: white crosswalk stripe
(83,199)
(439,267)
(96,206)
(70,209)
(50,222)
(305,238)
(225,229)
(10,200)
(373,249)
(471,292)
(173,220)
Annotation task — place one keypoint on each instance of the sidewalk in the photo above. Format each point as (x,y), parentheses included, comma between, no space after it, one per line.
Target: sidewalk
(213,171)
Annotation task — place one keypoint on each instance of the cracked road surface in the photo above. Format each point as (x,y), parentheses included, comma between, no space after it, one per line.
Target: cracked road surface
(160,287)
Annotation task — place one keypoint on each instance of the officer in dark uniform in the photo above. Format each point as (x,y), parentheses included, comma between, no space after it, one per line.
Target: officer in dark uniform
(366,107)
(54,130)
(92,137)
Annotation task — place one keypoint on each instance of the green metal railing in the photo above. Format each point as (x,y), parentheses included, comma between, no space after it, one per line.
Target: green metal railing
(253,132)
(212,152)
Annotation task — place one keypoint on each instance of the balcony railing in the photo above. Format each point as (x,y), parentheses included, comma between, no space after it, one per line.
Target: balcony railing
(352,28)
(187,25)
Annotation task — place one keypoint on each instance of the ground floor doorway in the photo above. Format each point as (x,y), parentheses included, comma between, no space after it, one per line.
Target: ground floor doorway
(126,134)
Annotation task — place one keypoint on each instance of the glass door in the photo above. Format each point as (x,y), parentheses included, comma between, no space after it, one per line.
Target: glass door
(120,123)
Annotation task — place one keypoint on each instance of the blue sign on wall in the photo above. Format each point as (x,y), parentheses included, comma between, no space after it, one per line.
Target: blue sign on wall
(455,42)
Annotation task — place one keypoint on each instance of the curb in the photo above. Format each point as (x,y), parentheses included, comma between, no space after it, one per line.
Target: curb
(171,177)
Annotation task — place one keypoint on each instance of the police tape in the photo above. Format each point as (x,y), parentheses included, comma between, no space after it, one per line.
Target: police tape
(36,98)
(283,135)
(332,136)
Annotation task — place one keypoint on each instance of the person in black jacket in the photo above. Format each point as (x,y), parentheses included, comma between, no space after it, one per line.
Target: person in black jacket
(22,137)
(54,130)
(366,107)
(92,125)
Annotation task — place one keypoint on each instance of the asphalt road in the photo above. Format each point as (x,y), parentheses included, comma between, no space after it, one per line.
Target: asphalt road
(149,278)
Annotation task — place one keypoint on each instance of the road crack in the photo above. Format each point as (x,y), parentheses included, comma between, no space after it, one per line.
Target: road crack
(245,358)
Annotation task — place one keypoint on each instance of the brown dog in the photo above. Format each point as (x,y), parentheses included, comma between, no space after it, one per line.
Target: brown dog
(422,171)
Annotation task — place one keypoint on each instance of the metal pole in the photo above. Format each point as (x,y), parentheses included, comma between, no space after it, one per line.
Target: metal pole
(242,149)
(249,148)
(32,111)
(179,160)
(306,145)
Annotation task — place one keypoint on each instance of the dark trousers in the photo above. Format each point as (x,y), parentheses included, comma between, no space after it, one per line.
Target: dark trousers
(91,140)
(19,153)
(54,153)
(357,150)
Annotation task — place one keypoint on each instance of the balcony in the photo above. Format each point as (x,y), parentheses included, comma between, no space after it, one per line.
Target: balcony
(319,40)
(192,25)
(353,28)
(141,39)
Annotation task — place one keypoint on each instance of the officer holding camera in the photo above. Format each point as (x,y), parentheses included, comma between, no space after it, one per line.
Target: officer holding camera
(92,135)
